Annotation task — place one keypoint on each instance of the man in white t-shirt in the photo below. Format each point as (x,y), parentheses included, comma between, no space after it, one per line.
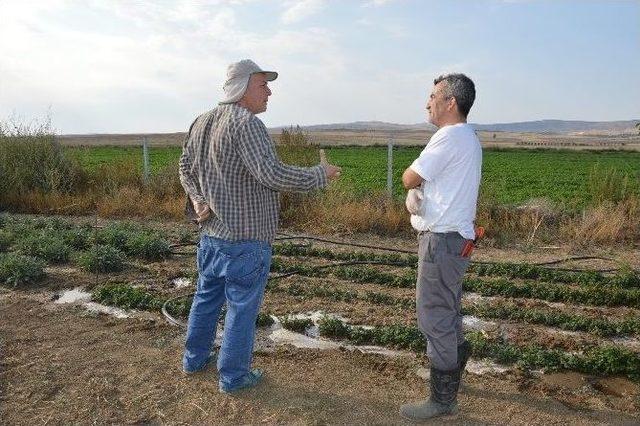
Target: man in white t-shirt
(443,187)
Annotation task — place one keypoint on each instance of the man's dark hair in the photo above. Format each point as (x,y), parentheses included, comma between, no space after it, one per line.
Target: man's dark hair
(461,88)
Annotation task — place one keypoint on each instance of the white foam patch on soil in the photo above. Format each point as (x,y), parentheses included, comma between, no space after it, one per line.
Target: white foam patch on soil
(103,309)
(474,323)
(632,343)
(311,339)
(566,332)
(477,368)
(485,367)
(558,305)
(476,297)
(78,296)
(282,336)
(181,282)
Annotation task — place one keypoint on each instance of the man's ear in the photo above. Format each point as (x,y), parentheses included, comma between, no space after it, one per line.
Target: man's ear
(452,105)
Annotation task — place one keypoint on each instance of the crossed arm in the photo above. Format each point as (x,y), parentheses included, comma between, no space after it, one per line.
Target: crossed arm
(411,179)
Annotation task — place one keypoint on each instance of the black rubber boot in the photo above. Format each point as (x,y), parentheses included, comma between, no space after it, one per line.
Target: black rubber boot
(444,387)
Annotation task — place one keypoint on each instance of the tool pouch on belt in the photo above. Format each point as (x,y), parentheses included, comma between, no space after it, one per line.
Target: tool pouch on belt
(469,245)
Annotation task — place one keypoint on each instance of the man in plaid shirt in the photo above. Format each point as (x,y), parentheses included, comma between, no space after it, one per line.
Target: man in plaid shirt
(233,176)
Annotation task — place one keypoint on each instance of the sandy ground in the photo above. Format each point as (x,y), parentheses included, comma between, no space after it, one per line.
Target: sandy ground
(61,364)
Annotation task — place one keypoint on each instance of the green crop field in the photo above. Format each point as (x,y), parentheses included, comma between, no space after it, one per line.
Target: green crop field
(509,176)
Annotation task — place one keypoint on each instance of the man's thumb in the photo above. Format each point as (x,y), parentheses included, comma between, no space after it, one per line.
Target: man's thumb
(323,157)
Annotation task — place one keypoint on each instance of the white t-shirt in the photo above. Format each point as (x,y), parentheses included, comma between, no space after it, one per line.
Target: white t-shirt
(450,165)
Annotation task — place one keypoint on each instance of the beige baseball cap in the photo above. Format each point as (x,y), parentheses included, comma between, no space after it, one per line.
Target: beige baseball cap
(238,75)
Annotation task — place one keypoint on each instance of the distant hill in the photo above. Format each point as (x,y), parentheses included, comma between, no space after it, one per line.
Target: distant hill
(540,126)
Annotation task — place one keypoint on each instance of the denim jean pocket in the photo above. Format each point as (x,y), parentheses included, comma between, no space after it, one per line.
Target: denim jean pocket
(246,267)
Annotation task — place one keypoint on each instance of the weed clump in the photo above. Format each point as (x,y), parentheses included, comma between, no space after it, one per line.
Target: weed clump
(299,325)
(16,269)
(79,238)
(117,234)
(31,159)
(126,297)
(264,319)
(102,259)
(333,327)
(47,246)
(148,247)
(6,239)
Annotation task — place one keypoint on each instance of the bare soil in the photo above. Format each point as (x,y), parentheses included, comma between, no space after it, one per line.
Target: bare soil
(61,364)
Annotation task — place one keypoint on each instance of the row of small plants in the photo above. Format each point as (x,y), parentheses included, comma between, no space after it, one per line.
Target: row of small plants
(594,295)
(126,296)
(503,311)
(597,360)
(27,245)
(53,239)
(624,278)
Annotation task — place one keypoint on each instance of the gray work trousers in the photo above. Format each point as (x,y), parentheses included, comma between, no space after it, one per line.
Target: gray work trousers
(439,295)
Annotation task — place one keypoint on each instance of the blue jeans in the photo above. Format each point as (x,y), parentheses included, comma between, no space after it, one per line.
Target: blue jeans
(234,272)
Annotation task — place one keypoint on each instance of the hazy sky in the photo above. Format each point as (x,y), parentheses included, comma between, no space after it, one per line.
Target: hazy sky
(109,66)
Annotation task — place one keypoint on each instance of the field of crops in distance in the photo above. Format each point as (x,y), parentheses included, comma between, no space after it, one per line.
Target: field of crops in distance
(510,176)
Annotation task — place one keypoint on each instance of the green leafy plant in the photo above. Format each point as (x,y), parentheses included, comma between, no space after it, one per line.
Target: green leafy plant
(127,297)
(46,245)
(6,239)
(148,246)
(299,325)
(264,319)
(102,259)
(16,269)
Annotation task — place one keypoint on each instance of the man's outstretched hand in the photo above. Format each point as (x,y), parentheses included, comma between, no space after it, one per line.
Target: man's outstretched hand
(333,172)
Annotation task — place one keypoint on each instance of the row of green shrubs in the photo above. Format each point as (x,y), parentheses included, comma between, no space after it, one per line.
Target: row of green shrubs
(17,269)
(505,311)
(591,295)
(27,245)
(54,239)
(596,360)
(126,296)
(624,278)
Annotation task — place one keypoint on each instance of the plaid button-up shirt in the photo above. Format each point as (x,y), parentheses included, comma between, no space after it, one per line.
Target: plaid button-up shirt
(229,161)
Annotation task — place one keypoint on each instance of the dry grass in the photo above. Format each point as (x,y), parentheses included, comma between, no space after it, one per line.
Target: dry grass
(48,203)
(132,202)
(37,177)
(607,223)
(339,212)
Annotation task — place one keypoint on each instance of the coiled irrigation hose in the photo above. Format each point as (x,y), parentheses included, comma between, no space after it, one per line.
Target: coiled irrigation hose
(284,237)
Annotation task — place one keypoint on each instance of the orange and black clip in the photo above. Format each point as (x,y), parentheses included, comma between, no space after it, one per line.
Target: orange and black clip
(468,247)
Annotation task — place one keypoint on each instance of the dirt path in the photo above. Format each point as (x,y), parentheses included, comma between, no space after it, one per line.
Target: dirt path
(62,365)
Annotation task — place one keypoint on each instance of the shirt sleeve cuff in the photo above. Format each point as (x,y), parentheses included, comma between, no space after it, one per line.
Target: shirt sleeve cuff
(321,176)
(198,199)
(422,173)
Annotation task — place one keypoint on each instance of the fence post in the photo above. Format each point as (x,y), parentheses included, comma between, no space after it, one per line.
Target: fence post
(145,160)
(390,166)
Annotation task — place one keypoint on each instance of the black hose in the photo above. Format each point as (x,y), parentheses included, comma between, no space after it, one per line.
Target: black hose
(283,237)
